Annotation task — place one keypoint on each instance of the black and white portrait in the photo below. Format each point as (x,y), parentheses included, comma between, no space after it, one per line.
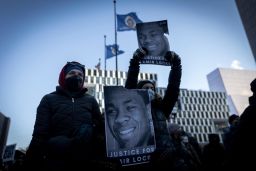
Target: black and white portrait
(128,122)
(151,35)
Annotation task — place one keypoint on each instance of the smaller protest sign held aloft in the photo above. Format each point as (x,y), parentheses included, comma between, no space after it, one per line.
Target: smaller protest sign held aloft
(151,35)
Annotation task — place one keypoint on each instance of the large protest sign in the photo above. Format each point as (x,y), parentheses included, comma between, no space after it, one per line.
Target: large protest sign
(151,35)
(129,126)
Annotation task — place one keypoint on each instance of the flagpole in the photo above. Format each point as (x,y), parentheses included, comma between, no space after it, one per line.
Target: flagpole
(105,64)
(116,42)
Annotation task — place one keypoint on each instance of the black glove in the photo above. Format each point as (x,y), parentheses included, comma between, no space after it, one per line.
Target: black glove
(83,134)
(140,53)
(173,58)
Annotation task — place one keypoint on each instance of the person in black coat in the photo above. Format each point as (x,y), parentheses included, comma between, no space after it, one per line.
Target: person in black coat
(67,124)
(214,154)
(242,148)
(161,108)
(233,121)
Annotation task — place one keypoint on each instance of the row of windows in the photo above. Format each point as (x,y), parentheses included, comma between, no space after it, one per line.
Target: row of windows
(203,107)
(198,129)
(202,138)
(101,80)
(103,73)
(145,76)
(194,122)
(199,100)
(199,114)
(106,80)
(194,93)
(121,74)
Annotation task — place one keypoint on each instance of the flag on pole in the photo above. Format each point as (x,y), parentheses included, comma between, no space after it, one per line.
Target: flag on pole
(111,51)
(127,22)
(98,65)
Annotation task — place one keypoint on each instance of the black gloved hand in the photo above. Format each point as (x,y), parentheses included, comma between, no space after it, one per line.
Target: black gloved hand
(173,58)
(83,134)
(140,53)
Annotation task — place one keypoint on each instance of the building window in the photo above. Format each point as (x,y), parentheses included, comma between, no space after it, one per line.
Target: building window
(86,79)
(141,76)
(205,138)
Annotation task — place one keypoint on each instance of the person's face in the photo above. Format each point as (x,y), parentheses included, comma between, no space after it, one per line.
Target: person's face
(74,72)
(148,86)
(153,39)
(235,122)
(74,79)
(127,119)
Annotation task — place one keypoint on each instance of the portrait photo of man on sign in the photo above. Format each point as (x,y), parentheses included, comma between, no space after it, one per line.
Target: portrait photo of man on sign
(151,36)
(128,122)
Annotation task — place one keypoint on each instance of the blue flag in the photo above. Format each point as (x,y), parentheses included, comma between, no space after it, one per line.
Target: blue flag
(111,51)
(127,22)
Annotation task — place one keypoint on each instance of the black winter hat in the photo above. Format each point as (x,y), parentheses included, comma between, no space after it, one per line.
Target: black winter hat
(143,82)
(68,67)
(232,118)
(73,65)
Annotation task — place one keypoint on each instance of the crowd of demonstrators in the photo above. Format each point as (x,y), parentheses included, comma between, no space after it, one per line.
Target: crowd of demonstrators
(69,129)
(242,149)
(161,108)
(214,154)
(187,152)
(68,125)
(233,121)
(193,141)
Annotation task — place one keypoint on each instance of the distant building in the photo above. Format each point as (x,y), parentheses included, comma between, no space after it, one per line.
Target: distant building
(4,130)
(236,84)
(200,112)
(247,11)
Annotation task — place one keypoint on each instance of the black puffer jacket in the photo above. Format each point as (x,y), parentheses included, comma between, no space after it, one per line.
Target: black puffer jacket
(63,114)
(160,109)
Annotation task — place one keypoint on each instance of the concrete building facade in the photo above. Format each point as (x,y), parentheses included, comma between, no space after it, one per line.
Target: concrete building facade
(198,112)
(235,83)
(247,11)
